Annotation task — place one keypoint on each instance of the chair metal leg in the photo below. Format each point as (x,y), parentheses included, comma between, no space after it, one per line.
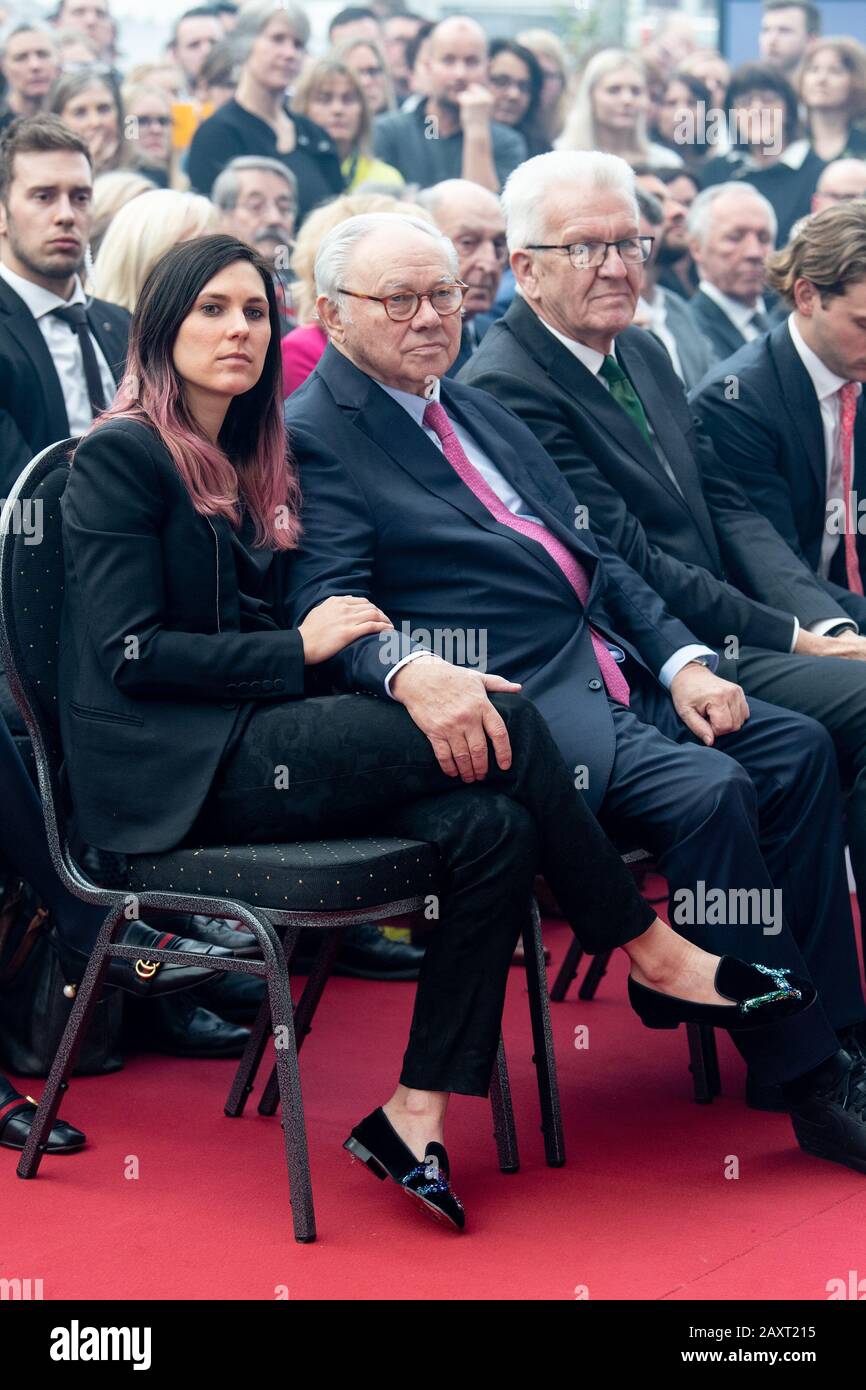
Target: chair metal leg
(594,975)
(567,971)
(289,1081)
(503,1114)
(307,1004)
(542,1040)
(248,1067)
(74,1034)
(711,1060)
(698,1064)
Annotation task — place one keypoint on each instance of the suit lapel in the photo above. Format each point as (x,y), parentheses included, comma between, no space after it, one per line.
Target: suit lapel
(671,440)
(387,425)
(109,339)
(718,322)
(26,332)
(806,432)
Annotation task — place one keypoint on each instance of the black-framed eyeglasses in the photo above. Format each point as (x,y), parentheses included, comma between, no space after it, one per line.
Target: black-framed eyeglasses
(589,255)
(404,305)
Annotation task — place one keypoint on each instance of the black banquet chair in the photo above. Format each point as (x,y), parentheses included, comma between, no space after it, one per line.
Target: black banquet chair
(272,890)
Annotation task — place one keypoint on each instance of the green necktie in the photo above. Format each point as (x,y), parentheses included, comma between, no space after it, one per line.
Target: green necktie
(625,395)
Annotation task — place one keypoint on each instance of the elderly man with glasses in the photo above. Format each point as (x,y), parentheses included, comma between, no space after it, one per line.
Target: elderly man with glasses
(434,501)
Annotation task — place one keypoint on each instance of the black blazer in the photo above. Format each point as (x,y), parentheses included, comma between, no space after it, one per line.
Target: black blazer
(724,336)
(694,537)
(771,436)
(154,666)
(386,517)
(32,408)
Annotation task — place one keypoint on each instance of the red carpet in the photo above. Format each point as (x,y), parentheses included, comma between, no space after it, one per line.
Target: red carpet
(643,1208)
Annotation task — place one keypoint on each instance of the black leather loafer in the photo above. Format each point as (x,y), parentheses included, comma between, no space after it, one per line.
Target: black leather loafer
(215,930)
(376,1143)
(144,978)
(760,994)
(16,1118)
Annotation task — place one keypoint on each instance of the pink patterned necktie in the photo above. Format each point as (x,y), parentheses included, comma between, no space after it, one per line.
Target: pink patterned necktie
(848,396)
(436,419)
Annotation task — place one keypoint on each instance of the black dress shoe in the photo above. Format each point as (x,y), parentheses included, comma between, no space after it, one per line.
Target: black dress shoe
(216,930)
(365,954)
(233,997)
(179,1027)
(830,1122)
(144,978)
(761,995)
(375,1142)
(16,1118)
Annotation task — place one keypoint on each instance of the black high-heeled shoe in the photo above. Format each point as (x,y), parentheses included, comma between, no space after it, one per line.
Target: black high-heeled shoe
(762,994)
(145,978)
(375,1142)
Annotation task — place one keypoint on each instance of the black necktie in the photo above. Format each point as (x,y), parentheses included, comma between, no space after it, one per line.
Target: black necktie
(76,316)
(760,321)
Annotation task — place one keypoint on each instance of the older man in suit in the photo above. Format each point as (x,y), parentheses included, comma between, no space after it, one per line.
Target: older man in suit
(732,230)
(61,355)
(435,500)
(602,399)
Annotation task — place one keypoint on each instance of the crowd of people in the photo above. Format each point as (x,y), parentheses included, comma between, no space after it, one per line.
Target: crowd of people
(561,348)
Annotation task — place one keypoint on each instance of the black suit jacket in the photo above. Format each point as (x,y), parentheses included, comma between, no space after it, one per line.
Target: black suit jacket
(385,516)
(770,434)
(724,336)
(154,667)
(695,537)
(32,409)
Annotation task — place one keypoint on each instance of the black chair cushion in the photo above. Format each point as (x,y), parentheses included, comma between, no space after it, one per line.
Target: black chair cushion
(309,876)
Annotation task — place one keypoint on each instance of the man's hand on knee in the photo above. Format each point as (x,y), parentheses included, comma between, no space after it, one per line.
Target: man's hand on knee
(706,704)
(451,706)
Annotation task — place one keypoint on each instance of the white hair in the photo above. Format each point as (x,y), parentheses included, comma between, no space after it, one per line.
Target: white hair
(700,214)
(335,252)
(523,198)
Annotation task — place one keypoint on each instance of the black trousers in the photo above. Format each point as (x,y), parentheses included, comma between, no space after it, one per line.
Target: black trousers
(760,810)
(356,763)
(833,691)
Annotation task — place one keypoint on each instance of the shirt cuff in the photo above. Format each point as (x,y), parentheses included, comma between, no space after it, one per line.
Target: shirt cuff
(681,658)
(832,627)
(413,656)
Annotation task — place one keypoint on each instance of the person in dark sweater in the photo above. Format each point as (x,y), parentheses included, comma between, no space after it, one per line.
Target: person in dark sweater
(256,121)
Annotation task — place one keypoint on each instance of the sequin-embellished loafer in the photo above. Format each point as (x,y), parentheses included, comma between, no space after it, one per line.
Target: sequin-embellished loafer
(760,995)
(375,1142)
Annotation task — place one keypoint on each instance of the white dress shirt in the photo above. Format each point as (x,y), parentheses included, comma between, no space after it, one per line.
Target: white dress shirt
(655,310)
(415,406)
(740,314)
(63,344)
(827,387)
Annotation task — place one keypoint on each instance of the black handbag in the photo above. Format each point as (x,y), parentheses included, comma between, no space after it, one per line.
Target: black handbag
(33,1007)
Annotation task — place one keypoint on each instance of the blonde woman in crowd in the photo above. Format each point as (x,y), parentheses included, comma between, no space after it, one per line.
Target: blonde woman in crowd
(368,63)
(140,235)
(88,101)
(304,345)
(332,95)
(609,112)
(149,127)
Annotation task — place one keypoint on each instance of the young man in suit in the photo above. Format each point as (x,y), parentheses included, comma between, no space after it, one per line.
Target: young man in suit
(433,500)
(61,355)
(732,230)
(603,400)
